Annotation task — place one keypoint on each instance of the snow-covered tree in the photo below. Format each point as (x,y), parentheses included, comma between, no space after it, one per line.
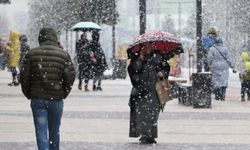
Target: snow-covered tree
(168,25)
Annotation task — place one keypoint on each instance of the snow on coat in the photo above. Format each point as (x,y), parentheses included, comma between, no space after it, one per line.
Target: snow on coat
(218,65)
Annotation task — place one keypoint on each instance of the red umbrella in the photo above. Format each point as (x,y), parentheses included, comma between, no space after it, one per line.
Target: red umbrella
(163,42)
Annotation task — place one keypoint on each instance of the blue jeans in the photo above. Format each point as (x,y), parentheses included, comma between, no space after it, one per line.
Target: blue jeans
(47,116)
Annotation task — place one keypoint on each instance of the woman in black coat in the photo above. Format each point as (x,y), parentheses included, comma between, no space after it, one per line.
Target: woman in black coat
(85,63)
(100,64)
(144,71)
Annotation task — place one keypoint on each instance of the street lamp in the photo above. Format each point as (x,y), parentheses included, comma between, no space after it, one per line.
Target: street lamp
(142,12)
(199,34)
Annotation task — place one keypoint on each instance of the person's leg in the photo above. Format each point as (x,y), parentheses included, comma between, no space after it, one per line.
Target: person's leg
(14,77)
(54,121)
(248,90)
(243,90)
(99,84)
(40,115)
(95,78)
(217,93)
(80,77)
(86,82)
(223,93)
(80,84)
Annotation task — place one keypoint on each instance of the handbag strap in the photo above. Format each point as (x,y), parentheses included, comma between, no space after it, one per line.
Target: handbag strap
(229,64)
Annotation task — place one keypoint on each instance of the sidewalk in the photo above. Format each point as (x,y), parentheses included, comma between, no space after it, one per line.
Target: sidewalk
(100,120)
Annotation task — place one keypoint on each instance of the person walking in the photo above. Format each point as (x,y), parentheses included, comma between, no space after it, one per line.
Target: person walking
(47,75)
(208,41)
(100,64)
(219,63)
(244,74)
(144,71)
(13,50)
(85,63)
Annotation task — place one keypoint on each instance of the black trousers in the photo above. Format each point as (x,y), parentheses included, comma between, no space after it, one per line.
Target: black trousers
(245,88)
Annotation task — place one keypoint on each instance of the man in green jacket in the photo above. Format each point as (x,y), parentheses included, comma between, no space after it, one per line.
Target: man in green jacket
(47,75)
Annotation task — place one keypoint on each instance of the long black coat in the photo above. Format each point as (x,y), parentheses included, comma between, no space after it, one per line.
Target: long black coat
(144,102)
(101,65)
(85,63)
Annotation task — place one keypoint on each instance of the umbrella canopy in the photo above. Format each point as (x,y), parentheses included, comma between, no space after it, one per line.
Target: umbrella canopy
(163,42)
(86,26)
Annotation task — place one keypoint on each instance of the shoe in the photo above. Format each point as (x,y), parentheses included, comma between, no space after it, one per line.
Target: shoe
(16,83)
(248,98)
(86,88)
(79,87)
(243,99)
(99,88)
(13,83)
(94,88)
(152,141)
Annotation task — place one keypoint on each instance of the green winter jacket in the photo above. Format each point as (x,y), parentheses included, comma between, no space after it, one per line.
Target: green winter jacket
(47,71)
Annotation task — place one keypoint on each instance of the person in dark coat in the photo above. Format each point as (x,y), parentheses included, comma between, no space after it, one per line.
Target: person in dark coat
(85,61)
(144,71)
(24,47)
(100,64)
(47,75)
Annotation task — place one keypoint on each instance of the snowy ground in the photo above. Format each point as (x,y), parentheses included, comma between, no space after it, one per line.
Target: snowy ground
(99,121)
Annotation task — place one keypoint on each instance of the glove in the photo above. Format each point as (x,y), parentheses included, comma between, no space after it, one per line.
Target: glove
(234,71)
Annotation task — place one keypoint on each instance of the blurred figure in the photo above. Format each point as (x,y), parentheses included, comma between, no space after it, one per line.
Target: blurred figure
(13,49)
(208,41)
(24,47)
(3,55)
(219,63)
(47,76)
(144,71)
(100,64)
(85,61)
(244,74)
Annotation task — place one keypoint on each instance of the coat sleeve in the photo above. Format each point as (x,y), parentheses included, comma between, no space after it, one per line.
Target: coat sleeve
(25,74)
(68,76)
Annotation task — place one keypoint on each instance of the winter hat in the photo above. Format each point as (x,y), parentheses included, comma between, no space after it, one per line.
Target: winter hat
(23,38)
(212,30)
(47,34)
(244,56)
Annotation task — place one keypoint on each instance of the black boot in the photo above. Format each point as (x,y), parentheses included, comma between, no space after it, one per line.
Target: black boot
(146,140)
(94,88)
(15,80)
(80,84)
(99,88)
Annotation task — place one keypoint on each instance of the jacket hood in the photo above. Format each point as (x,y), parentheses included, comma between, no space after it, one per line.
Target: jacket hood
(48,35)
(23,38)
(14,35)
(244,56)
